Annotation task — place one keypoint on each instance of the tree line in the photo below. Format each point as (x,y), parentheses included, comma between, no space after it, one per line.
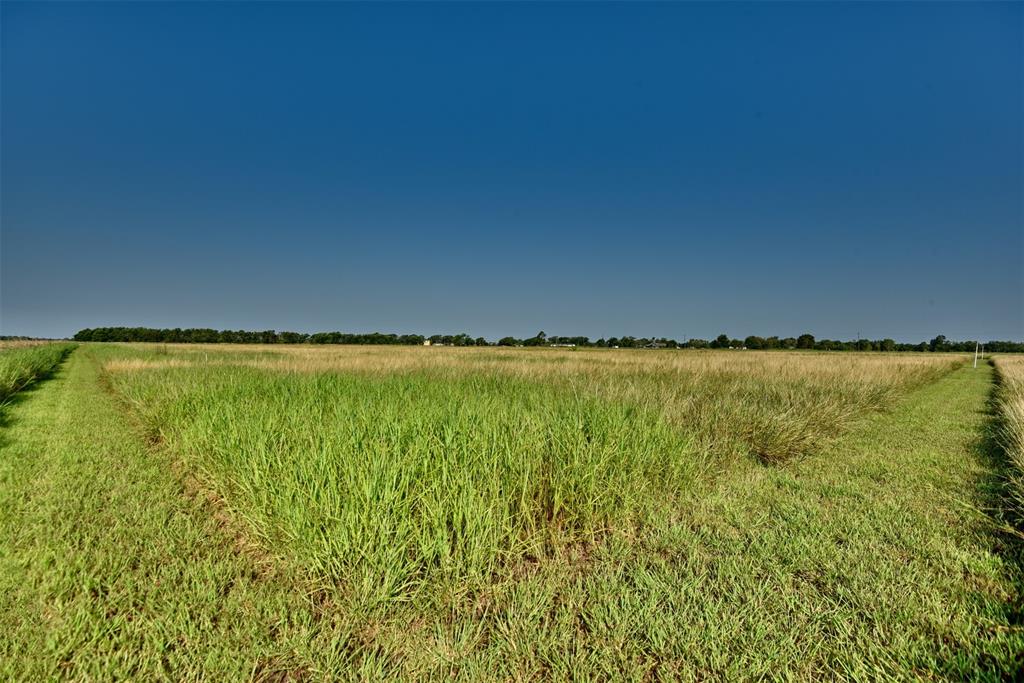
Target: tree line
(196,335)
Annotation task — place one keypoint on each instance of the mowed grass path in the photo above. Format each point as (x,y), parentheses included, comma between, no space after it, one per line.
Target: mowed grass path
(108,569)
(874,559)
(868,560)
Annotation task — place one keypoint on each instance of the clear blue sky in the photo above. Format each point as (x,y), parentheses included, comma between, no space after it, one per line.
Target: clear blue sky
(648,169)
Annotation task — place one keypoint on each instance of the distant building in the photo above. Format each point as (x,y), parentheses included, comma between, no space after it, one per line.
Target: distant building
(565,346)
(426,342)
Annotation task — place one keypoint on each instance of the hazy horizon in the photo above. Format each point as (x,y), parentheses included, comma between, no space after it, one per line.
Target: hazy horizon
(677,170)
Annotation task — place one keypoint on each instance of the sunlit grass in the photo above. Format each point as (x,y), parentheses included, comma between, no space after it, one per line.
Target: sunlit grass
(1011,408)
(22,364)
(290,514)
(390,472)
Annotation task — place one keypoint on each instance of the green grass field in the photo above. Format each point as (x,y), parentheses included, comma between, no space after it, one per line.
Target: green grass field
(354,513)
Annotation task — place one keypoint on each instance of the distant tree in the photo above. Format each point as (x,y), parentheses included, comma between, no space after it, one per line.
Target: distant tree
(996,346)
(805,341)
(720,342)
(540,339)
(753,342)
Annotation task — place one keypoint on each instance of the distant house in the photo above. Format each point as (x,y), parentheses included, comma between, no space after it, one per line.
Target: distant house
(654,345)
(426,342)
(565,346)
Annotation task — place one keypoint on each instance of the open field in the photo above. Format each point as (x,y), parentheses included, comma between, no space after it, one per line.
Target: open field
(503,514)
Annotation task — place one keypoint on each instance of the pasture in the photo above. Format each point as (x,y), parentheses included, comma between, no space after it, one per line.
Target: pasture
(375,513)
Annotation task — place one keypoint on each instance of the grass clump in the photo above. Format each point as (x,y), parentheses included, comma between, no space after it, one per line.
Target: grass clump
(386,485)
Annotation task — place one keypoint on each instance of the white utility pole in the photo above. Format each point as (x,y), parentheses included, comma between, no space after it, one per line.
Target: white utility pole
(975,354)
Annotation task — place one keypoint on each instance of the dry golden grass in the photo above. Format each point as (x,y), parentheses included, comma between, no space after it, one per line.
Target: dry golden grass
(134,364)
(21,343)
(546,362)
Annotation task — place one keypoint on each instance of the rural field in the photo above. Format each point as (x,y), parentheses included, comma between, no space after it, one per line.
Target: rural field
(277,402)
(291,512)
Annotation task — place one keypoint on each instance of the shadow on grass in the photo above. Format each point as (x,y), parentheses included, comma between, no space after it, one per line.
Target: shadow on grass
(1005,531)
(995,488)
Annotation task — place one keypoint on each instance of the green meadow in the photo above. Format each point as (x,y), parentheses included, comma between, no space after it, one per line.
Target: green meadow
(220,512)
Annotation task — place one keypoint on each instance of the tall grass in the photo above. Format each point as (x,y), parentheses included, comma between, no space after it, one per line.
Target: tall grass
(405,475)
(24,364)
(1011,409)
(391,484)
(773,405)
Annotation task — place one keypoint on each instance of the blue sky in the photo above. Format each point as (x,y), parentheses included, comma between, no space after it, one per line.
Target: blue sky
(600,169)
